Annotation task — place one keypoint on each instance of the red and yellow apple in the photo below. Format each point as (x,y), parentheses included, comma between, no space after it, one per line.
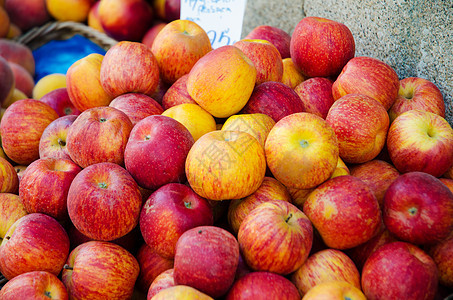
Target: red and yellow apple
(11,210)
(177,93)
(258,125)
(278,37)
(334,290)
(292,77)
(137,106)
(316,94)
(9,182)
(52,143)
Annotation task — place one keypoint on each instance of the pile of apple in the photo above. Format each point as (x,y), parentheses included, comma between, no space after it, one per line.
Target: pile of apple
(280,167)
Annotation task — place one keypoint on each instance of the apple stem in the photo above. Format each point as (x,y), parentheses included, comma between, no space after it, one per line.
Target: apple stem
(102,120)
(7,237)
(61,142)
(188,204)
(47,294)
(289,217)
(67,267)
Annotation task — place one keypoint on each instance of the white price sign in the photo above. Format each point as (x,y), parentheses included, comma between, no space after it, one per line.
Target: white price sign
(221,19)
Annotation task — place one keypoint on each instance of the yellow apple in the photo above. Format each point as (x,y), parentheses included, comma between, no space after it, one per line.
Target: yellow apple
(47,84)
(334,290)
(258,125)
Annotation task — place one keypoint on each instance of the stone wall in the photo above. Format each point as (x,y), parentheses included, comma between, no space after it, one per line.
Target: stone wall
(415,37)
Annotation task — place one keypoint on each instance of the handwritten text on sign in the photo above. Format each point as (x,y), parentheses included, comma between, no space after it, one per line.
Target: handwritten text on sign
(221,19)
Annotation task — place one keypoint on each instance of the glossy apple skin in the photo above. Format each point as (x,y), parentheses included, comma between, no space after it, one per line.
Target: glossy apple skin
(35,242)
(270,189)
(420,141)
(258,125)
(125,20)
(417,93)
(292,77)
(151,265)
(59,100)
(9,181)
(137,106)
(211,78)
(418,208)
(139,71)
(11,210)
(276,237)
(44,187)
(225,165)
(18,53)
(325,265)
(296,140)
(316,95)
(21,128)
(34,285)
(377,174)
(7,83)
(83,83)
(177,47)
(399,270)
(27,13)
(265,57)
(360,124)
(52,143)
(23,80)
(170,211)
(442,254)
(99,134)
(206,259)
(274,99)
(104,201)
(368,76)
(256,284)
(344,211)
(278,37)
(156,151)
(177,94)
(162,281)
(321,47)
(87,261)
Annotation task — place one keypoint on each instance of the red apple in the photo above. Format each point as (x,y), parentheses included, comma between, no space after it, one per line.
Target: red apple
(274,99)
(59,100)
(104,201)
(52,143)
(151,266)
(177,47)
(368,76)
(417,93)
(321,47)
(22,79)
(271,229)
(162,281)
(344,211)
(278,37)
(152,32)
(263,284)
(212,77)
(7,82)
(399,270)
(11,210)
(27,13)
(99,134)
(442,254)
(156,151)
(136,106)
(418,208)
(100,270)
(325,265)
(316,95)
(177,94)
(360,124)
(377,174)
(167,10)
(35,242)
(129,67)
(18,53)
(83,83)
(45,185)
(168,213)
(265,57)
(420,141)
(206,259)
(270,189)
(34,285)
(302,139)
(125,19)
(21,128)
(9,181)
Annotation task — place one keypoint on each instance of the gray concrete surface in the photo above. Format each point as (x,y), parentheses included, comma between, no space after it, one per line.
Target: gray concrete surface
(415,37)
